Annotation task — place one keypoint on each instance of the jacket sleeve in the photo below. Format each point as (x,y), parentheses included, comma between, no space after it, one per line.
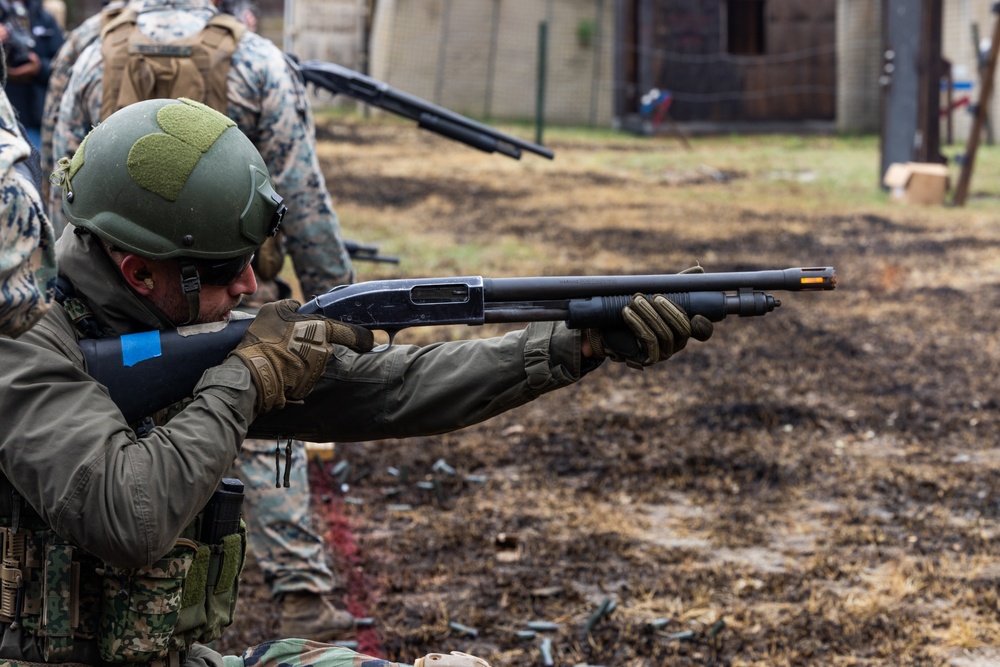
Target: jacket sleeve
(409,391)
(68,451)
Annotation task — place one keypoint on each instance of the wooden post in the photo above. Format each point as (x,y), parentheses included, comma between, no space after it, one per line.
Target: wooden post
(980,66)
(962,189)
(949,97)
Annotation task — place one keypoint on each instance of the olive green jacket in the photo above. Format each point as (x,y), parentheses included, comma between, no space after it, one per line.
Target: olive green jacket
(67,450)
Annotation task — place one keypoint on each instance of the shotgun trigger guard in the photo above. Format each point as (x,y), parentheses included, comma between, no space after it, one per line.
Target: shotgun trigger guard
(391,333)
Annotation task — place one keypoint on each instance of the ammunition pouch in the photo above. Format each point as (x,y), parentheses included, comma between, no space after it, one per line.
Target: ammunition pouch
(158,611)
(58,594)
(41,590)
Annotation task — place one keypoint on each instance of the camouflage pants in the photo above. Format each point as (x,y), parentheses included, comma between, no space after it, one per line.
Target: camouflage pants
(302,653)
(291,555)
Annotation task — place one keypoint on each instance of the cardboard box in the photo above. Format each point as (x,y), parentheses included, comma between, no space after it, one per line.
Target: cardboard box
(917,182)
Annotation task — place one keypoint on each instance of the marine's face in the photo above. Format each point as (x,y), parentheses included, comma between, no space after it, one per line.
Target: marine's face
(216,302)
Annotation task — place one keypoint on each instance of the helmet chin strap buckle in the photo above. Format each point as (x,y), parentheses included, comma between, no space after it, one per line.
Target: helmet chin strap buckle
(191,285)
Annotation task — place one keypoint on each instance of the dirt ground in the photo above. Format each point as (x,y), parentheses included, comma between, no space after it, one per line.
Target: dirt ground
(818,486)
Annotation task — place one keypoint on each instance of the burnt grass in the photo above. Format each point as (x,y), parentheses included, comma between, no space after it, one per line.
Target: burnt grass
(817,486)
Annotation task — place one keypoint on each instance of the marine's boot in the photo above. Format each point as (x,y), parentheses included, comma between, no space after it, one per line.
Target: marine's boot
(306,615)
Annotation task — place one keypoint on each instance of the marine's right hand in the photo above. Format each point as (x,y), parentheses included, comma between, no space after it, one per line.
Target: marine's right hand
(286,352)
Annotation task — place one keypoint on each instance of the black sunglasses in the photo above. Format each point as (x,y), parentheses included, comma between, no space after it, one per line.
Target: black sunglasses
(224,272)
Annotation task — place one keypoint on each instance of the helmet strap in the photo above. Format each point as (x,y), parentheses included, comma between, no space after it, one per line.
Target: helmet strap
(191,285)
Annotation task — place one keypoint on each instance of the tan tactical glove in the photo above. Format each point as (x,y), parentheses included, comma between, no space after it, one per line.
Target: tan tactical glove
(456,659)
(286,352)
(656,330)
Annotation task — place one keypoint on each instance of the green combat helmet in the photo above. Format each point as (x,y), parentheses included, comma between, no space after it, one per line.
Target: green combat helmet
(173,179)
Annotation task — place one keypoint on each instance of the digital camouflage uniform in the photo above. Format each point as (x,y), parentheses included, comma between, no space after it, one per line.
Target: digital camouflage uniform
(27,254)
(59,70)
(268,103)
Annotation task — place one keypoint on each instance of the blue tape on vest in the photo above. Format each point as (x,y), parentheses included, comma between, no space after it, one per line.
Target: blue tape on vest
(139,347)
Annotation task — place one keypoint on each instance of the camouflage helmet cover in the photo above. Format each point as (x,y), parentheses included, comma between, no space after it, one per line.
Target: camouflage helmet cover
(172,178)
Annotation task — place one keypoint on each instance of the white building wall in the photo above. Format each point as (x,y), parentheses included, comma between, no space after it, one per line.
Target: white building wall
(481,57)
(859,56)
(957,46)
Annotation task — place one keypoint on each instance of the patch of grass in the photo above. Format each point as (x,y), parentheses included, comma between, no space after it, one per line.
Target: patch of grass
(842,168)
(822,480)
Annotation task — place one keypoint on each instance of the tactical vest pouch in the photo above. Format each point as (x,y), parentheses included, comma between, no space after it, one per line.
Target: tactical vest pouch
(22,578)
(40,589)
(193,617)
(211,589)
(141,607)
(12,580)
(175,618)
(224,570)
(60,593)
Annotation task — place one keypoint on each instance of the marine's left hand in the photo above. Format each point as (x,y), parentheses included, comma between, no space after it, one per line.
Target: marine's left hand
(655,330)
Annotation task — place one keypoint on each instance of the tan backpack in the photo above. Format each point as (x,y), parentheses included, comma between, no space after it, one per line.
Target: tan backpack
(137,68)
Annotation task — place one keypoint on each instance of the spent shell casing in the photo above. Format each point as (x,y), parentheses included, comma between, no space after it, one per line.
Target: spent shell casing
(464,629)
(442,466)
(546,649)
(543,626)
(599,613)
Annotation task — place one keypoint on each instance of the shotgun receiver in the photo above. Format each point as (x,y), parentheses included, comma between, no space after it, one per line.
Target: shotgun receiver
(338,79)
(176,358)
